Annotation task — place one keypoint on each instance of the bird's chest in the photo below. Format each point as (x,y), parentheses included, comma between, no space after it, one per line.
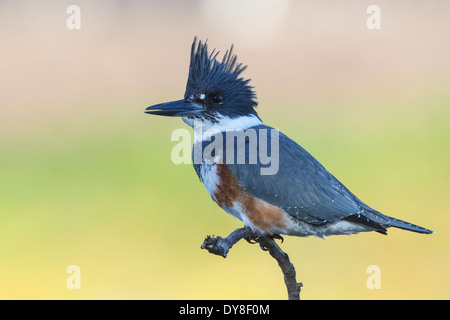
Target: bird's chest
(209,175)
(226,195)
(221,185)
(207,167)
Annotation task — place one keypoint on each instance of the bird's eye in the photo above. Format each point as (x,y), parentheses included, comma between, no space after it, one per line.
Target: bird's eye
(217,98)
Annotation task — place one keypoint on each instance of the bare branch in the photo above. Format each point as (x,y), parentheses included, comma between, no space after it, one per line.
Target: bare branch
(292,286)
(221,246)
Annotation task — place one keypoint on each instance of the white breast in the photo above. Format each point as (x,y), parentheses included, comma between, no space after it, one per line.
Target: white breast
(210,178)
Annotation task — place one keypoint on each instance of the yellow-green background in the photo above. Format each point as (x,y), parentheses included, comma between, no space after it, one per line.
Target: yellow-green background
(86,177)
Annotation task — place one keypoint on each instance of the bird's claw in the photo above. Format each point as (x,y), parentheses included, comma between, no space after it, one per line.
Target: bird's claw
(255,239)
(278,237)
(252,239)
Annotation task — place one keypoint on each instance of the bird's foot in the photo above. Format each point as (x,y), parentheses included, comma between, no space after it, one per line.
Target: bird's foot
(252,239)
(255,238)
(273,237)
(278,237)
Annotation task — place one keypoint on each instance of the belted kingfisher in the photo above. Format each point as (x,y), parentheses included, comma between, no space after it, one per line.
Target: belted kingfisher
(299,198)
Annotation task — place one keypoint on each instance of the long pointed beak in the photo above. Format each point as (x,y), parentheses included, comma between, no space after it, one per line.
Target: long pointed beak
(177,108)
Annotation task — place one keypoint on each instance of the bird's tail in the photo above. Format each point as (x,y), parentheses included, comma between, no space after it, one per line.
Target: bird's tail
(397,223)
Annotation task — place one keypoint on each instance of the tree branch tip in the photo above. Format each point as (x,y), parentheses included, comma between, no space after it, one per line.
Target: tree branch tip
(213,245)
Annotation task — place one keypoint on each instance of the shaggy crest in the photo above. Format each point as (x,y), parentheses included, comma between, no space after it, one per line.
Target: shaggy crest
(207,74)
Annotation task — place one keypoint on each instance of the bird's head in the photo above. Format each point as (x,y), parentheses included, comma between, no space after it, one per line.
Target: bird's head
(215,89)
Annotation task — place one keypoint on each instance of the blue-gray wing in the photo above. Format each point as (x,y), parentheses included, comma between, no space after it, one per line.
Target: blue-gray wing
(301,185)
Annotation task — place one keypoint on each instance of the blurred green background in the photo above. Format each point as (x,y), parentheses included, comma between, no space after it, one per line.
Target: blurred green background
(86,177)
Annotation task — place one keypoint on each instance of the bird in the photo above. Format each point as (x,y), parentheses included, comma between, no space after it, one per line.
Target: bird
(297,196)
